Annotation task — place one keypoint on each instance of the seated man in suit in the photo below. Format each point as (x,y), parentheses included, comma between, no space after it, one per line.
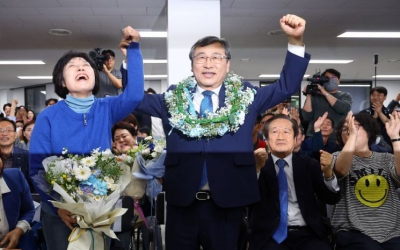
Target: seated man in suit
(287,217)
(16,210)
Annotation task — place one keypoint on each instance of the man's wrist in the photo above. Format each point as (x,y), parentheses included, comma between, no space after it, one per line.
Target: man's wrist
(331,177)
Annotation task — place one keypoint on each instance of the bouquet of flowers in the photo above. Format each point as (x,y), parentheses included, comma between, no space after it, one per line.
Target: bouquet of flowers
(89,186)
(149,155)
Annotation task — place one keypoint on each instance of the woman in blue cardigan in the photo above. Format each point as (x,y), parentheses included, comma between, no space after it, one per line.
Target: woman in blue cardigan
(80,123)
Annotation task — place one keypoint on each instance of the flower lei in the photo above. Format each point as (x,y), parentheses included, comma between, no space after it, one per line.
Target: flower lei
(226,119)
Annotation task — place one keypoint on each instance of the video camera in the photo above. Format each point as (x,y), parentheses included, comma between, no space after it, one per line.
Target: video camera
(317,79)
(98,58)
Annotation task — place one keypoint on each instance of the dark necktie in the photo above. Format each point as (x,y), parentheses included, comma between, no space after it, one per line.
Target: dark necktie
(281,232)
(205,106)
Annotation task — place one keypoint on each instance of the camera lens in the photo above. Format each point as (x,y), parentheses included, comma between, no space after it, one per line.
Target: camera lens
(93,54)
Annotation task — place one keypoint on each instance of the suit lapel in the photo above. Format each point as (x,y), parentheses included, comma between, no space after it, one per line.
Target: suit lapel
(273,181)
(299,178)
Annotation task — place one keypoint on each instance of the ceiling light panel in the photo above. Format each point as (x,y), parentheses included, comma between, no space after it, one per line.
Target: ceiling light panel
(370,35)
(21,62)
(330,61)
(35,77)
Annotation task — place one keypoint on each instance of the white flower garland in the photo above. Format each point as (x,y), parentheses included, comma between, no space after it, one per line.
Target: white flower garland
(226,119)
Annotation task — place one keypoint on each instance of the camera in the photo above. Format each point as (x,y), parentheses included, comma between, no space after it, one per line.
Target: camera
(98,58)
(317,79)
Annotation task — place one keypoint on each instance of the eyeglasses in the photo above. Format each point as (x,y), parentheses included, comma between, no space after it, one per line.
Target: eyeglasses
(346,130)
(216,59)
(7,130)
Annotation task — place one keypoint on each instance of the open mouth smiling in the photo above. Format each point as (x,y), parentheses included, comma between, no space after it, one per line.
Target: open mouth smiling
(359,191)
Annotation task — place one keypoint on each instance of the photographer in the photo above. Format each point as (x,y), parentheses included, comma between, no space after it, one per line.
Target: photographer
(328,98)
(110,78)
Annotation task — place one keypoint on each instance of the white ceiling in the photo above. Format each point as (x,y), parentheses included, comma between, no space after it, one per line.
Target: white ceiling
(24,26)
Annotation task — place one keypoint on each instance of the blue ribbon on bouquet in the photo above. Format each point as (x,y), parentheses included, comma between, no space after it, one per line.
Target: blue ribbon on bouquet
(150,171)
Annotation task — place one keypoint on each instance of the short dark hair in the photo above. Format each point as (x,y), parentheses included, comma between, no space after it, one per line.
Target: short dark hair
(24,128)
(369,124)
(301,128)
(58,77)
(34,114)
(123,125)
(150,91)
(379,89)
(108,51)
(145,130)
(332,122)
(49,100)
(333,72)
(205,41)
(5,119)
(295,126)
(6,105)
(131,119)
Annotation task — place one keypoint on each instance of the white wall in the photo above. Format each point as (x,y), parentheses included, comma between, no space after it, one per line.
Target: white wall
(393,88)
(7,95)
(50,91)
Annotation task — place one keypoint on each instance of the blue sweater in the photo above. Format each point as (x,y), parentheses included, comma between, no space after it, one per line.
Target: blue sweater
(60,127)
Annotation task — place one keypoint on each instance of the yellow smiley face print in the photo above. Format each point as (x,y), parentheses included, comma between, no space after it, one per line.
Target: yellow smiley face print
(372,190)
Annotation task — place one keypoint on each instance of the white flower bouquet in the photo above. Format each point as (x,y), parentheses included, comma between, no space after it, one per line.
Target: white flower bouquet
(89,186)
(149,155)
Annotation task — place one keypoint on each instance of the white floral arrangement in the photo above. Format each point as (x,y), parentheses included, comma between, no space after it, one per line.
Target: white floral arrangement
(148,148)
(149,155)
(89,186)
(227,119)
(95,176)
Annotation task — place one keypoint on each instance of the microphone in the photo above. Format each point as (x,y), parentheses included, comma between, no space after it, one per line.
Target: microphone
(376,59)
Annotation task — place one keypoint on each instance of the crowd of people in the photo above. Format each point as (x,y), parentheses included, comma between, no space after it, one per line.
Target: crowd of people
(244,170)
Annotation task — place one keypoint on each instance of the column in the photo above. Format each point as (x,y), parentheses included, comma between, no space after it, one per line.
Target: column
(188,21)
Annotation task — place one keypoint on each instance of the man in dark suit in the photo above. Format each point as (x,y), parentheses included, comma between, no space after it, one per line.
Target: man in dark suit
(16,205)
(210,174)
(12,156)
(301,226)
